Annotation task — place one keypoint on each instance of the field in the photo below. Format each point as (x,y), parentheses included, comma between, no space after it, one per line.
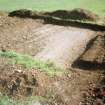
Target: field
(97,6)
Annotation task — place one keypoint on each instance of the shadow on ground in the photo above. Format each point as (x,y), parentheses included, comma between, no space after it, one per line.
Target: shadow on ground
(87,65)
(93,57)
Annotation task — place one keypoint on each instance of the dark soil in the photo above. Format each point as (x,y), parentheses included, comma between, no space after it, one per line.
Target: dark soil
(21,13)
(76,14)
(96,93)
(24,13)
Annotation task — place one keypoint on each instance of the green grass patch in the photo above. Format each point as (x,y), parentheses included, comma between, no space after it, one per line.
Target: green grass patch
(97,6)
(29,62)
(33,100)
(5,100)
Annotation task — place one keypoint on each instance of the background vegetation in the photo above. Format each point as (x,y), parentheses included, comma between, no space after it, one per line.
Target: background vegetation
(97,6)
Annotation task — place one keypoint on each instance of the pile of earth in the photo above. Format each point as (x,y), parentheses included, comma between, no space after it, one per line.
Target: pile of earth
(24,13)
(17,81)
(76,14)
(21,13)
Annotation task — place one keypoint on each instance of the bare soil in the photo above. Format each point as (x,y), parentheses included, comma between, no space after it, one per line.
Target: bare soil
(61,44)
(18,82)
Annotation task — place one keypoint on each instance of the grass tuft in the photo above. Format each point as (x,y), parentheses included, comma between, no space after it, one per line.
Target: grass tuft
(33,100)
(30,63)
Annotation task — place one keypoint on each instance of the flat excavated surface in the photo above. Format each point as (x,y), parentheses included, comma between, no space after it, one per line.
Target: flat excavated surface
(64,44)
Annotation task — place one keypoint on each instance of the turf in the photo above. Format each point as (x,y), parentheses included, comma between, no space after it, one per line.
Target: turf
(97,6)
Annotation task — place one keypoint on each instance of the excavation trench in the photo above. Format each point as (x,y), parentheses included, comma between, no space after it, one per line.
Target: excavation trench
(93,56)
(59,44)
(64,44)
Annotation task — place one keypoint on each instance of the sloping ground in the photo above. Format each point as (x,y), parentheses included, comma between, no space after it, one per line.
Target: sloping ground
(18,81)
(75,14)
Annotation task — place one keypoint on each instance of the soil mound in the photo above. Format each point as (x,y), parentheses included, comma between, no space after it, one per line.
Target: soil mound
(20,82)
(78,14)
(83,14)
(59,13)
(21,13)
(24,13)
(94,55)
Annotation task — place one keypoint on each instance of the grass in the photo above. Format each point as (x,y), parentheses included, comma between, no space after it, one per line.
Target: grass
(97,6)
(5,100)
(33,100)
(28,62)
